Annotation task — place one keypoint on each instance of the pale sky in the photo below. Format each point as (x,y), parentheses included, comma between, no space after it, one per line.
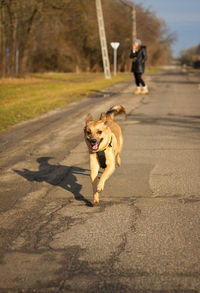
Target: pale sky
(182,18)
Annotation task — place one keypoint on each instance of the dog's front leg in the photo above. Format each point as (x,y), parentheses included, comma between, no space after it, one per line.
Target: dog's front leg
(94,170)
(110,162)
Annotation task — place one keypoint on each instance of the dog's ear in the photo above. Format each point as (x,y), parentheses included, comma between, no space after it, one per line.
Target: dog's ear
(103,117)
(88,118)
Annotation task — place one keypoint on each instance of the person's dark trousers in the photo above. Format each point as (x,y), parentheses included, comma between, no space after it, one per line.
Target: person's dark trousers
(138,79)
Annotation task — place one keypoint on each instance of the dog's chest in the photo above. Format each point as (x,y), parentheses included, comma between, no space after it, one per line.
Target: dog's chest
(102,157)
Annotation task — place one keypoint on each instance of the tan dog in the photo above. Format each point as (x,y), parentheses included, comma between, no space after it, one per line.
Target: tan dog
(104,140)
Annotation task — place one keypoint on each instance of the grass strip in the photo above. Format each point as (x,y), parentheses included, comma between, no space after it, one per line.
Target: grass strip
(27,98)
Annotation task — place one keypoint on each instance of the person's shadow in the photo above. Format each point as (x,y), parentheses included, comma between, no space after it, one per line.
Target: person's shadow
(58,175)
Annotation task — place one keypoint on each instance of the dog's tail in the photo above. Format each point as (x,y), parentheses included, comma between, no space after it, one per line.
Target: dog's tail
(115,110)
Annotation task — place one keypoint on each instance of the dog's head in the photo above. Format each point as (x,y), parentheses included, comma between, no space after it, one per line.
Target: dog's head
(97,133)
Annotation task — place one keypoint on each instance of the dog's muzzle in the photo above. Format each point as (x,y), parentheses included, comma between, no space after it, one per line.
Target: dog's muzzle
(95,144)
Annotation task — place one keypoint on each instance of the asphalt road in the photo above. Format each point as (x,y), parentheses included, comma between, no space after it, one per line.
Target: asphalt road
(144,236)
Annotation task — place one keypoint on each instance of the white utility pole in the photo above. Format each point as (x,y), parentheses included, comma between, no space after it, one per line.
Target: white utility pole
(102,34)
(17,61)
(134,22)
(115,46)
(134,34)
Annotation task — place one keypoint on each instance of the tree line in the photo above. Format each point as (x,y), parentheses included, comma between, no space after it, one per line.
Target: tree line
(191,56)
(62,35)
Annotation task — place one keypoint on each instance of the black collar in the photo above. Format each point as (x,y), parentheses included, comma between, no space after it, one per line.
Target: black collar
(110,144)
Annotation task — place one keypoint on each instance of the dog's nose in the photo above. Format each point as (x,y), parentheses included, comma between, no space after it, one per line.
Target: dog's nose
(93,141)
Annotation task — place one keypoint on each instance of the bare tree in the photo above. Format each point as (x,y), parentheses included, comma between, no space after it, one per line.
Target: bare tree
(42,35)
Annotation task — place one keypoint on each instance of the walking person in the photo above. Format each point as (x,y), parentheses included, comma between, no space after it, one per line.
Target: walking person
(138,53)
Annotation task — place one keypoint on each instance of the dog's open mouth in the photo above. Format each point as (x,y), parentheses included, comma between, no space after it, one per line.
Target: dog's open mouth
(95,146)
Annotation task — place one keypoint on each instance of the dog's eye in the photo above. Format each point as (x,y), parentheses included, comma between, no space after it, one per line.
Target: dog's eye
(88,132)
(99,132)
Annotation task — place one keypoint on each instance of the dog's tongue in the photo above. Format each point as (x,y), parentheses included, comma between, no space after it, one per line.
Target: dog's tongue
(95,146)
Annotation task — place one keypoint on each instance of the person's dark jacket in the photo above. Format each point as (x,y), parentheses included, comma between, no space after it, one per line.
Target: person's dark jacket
(140,57)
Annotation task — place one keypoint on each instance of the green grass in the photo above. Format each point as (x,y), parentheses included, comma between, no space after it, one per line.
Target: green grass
(194,70)
(23,99)
(150,70)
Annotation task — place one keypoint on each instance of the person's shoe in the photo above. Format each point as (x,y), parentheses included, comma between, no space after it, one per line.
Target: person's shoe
(138,90)
(145,90)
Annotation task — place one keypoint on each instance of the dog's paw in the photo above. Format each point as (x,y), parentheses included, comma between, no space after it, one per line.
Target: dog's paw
(95,202)
(100,187)
(96,199)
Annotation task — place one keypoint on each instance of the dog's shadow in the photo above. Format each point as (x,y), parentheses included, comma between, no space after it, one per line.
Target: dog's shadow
(57,175)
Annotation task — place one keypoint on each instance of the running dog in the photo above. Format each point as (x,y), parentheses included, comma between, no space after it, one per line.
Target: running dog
(104,140)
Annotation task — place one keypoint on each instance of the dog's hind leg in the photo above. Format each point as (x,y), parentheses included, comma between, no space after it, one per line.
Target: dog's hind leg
(94,170)
(118,160)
